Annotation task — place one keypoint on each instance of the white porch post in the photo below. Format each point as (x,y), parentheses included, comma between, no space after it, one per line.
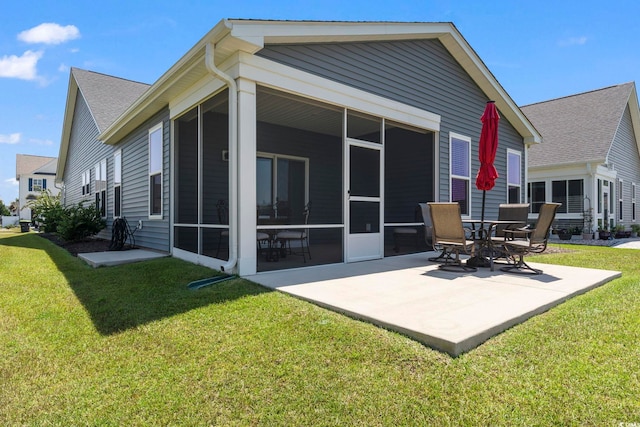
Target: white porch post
(247,257)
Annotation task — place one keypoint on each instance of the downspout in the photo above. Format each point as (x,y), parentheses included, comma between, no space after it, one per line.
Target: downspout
(233,155)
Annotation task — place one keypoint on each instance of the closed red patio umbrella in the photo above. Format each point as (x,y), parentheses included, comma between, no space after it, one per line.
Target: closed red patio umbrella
(487,173)
(487,148)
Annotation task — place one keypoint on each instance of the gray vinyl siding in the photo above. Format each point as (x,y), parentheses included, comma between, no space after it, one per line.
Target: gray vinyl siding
(84,152)
(420,73)
(135,184)
(626,160)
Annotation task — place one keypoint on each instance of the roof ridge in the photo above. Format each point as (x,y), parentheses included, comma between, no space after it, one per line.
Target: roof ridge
(577,94)
(108,75)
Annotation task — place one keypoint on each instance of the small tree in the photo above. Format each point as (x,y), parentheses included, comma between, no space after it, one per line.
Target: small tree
(47,211)
(4,210)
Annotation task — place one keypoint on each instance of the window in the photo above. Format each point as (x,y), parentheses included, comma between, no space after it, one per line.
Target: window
(281,186)
(633,201)
(620,200)
(101,187)
(570,193)
(599,196)
(117,183)
(86,182)
(155,171)
(460,171)
(536,196)
(37,184)
(514,176)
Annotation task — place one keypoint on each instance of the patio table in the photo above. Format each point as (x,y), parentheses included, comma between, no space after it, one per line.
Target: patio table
(482,235)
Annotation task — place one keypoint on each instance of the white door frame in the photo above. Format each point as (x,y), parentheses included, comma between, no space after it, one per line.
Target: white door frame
(363,246)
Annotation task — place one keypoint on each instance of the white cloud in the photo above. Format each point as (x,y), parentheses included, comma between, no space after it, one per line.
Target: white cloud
(49,33)
(14,138)
(21,67)
(12,181)
(573,41)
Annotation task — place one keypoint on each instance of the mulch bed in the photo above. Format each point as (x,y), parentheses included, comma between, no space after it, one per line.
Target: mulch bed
(79,247)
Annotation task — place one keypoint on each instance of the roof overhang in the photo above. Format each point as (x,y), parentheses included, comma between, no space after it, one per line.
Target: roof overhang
(232,35)
(72,94)
(634,110)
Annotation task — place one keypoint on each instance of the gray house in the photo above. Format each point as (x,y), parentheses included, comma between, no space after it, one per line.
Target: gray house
(590,158)
(357,121)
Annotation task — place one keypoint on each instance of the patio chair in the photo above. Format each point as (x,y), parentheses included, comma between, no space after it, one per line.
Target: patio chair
(508,212)
(521,242)
(428,234)
(449,233)
(301,235)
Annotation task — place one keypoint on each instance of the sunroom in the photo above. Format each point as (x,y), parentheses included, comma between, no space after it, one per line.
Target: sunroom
(342,178)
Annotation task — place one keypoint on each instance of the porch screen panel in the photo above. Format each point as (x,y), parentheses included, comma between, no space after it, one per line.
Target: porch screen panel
(215,158)
(186,161)
(408,177)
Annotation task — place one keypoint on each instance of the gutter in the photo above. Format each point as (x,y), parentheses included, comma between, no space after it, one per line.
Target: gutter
(233,155)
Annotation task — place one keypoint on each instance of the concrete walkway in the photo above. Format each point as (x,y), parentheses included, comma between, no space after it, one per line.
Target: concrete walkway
(450,312)
(110,258)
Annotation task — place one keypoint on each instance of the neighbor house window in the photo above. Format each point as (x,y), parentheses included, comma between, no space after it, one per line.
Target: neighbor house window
(101,187)
(155,171)
(536,196)
(514,176)
(117,183)
(570,193)
(599,196)
(460,171)
(620,200)
(633,201)
(86,182)
(37,184)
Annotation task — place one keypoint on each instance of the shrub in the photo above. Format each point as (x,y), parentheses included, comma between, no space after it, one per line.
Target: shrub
(79,222)
(47,211)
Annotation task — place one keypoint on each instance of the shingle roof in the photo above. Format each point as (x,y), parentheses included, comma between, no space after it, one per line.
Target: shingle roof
(28,164)
(577,128)
(107,96)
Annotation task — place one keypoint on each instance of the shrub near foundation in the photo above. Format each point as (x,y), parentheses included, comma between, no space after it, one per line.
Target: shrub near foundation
(79,222)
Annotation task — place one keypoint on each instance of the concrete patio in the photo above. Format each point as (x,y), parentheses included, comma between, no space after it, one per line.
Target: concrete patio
(450,312)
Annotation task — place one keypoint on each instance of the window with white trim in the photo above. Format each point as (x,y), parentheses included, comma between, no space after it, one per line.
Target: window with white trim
(86,182)
(37,185)
(536,195)
(460,171)
(155,172)
(282,186)
(117,183)
(570,193)
(101,187)
(514,176)
(620,200)
(633,201)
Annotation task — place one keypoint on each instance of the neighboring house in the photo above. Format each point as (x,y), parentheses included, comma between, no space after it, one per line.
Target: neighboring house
(589,160)
(34,174)
(359,120)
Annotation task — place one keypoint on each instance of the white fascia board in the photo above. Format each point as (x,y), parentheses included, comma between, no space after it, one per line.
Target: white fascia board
(204,88)
(69,110)
(276,32)
(634,110)
(282,77)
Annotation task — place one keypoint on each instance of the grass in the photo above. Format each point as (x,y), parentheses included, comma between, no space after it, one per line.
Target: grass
(130,345)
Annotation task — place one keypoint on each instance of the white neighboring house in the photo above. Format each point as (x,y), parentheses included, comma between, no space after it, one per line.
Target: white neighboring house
(34,174)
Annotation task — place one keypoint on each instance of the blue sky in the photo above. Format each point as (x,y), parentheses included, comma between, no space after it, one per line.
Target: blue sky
(537,50)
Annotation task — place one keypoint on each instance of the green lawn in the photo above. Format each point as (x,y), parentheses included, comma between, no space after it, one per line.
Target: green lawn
(130,345)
